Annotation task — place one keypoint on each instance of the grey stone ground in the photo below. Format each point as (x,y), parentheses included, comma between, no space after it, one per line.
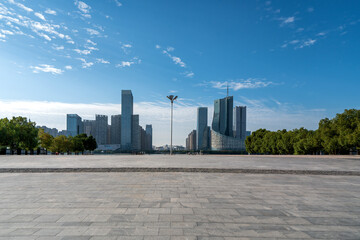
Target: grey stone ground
(165,205)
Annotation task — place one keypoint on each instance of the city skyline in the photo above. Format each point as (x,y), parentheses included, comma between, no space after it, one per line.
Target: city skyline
(291,63)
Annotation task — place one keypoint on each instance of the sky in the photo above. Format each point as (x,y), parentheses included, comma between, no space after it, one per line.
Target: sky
(291,63)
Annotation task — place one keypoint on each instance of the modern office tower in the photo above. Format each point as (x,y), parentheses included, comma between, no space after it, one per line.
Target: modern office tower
(223,116)
(108,135)
(115,130)
(135,134)
(73,124)
(101,126)
(89,127)
(126,119)
(148,145)
(191,141)
(222,135)
(202,134)
(240,122)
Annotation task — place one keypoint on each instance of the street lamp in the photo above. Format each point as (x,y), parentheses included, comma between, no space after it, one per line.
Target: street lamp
(172,99)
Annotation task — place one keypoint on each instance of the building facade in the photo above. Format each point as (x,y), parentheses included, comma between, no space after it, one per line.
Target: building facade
(222,134)
(115,129)
(135,134)
(101,126)
(73,124)
(149,132)
(202,129)
(126,119)
(191,141)
(239,126)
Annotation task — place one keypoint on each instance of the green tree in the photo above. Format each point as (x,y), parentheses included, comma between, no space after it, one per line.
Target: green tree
(45,139)
(90,143)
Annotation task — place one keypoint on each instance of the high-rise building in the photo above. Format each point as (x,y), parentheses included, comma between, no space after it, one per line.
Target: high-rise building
(73,124)
(89,127)
(126,119)
(148,145)
(135,134)
(201,130)
(222,135)
(52,131)
(115,130)
(223,116)
(101,126)
(191,141)
(240,122)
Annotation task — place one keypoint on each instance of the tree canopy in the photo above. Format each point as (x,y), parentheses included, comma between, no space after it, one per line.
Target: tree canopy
(339,135)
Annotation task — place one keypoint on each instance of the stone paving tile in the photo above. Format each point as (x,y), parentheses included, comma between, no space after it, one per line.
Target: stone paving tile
(178,206)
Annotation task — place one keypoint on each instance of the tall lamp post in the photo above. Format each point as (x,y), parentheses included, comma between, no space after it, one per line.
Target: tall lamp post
(172,99)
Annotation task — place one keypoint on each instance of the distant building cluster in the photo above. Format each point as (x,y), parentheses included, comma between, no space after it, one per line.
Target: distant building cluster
(228,128)
(123,133)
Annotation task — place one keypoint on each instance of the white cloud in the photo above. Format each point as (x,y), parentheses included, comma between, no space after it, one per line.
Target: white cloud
(39,15)
(21,6)
(44,36)
(6,32)
(49,11)
(83,52)
(126,46)
(58,48)
(46,68)
(124,64)
(287,20)
(170,49)
(249,83)
(85,64)
(189,74)
(119,4)
(92,31)
(91,42)
(321,34)
(175,59)
(68,67)
(84,8)
(307,43)
(157,46)
(101,60)
(71,42)
(2,35)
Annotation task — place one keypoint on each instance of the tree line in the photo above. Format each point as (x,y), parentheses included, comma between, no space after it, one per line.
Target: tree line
(19,134)
(339,135)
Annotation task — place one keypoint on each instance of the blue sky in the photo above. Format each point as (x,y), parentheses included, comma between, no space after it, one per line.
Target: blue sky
(290,62)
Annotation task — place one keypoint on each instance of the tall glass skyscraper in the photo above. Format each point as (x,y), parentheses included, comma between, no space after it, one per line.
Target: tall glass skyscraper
(202,135)
(73,125)
(223,116)
(240,122)
(126,119)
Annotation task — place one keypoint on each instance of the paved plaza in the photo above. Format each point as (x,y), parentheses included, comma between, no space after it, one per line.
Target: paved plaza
(179,205)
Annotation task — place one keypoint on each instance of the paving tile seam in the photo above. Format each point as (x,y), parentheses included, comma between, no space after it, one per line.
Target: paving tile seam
(187,170)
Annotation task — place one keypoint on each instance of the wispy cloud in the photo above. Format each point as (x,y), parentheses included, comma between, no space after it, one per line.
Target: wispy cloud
(51,12)
(68,67)
(101,60)
(175,59)
(47,69)
(92,31)
(119,4)
(84,8)
(85,64)
(124,64)
(91,42)
(285,21)
(39,15)
(249,83)
(189,74)
(83,52)
(22,6)
(307,43)
(59,48)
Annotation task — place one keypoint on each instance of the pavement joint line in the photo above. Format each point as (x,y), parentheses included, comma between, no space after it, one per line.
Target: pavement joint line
(188,170)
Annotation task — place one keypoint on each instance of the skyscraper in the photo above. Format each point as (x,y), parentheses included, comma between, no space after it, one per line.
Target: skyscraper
(223,116)
(101,125)
(135,133)
(73,124)
(202,134)
(115,129)
(89,127)
(148,145)
(240,122)
(126,119)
